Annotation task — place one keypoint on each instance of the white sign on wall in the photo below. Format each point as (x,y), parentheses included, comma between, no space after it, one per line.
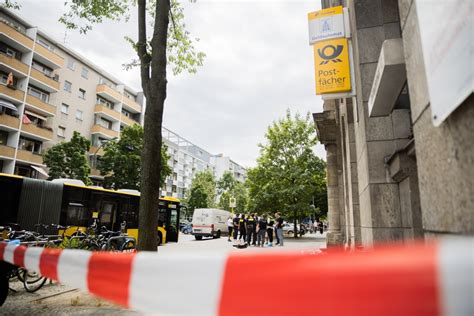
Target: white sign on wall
(326,24)
(446,29)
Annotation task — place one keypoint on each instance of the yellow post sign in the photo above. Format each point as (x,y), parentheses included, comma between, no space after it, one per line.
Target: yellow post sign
(331,65)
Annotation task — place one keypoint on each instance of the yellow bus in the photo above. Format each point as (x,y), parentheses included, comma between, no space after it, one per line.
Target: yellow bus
(28,202)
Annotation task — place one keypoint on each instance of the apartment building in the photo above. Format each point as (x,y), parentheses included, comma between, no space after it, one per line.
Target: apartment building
(47,92)
(187,159)
(222,164)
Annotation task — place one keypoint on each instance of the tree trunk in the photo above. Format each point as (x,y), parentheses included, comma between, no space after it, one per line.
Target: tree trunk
(153,74)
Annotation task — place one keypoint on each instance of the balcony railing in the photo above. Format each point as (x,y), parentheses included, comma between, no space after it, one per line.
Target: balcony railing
(14,63)
(9,121)
(28,156)
(49,55)
(43,78)
(42,132)
(97,129)
(128,121)
(132,104)
(7,151)
(99,108)
(12,92)
(40,105)
(16,35)
(109,93)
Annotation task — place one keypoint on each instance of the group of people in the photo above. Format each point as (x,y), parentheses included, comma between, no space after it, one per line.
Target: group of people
(255,230)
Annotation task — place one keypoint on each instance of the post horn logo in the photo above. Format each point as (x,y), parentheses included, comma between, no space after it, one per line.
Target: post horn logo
(333,51)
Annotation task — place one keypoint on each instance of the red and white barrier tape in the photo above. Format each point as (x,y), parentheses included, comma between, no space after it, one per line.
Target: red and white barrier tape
(433,279)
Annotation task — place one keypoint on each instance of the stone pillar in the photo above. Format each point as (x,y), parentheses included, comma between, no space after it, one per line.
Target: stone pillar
(334,236)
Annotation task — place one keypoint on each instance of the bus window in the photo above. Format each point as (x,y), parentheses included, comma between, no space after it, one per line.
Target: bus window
(76,215)
(107,214)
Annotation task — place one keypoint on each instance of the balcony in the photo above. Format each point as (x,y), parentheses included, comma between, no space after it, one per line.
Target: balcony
(108,93)
(105,111)
(37,132)
(16,36)
(7,151)
(13,63)
(38,105)
(48,57)
(12,93)
(131,105)
(96,151)
(43,81)
(10,122)
(96,173)
(128,121)
(28,156)
(97,129)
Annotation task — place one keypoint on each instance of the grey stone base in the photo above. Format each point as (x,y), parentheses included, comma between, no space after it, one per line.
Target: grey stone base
(334,239)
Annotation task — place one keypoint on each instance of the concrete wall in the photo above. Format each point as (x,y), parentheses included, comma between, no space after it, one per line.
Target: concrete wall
(445,154)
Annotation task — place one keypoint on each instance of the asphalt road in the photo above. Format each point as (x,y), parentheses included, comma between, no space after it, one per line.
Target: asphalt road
(57,299)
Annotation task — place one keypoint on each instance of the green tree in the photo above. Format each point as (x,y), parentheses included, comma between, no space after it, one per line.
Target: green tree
(202,193)
(121,162)
(69,159)
(288,172)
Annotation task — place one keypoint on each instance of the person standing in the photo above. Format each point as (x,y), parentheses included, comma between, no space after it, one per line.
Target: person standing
(279,228)
(242,227)
(262,229)
(230,227)
(251,227)
(235,221)
(270,223)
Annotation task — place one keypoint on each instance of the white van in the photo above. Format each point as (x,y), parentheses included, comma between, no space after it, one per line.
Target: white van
(209,222)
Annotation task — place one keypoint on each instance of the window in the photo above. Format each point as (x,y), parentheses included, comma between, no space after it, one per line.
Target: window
(82,94)
(61,131)
(105,123)
(67,86)
(105,102)
(84,72)
(79,115)
(126,113)
(71,64)
(37,93)
(10,52)
(64,108)
(43,43)
(44,69)
(29,145)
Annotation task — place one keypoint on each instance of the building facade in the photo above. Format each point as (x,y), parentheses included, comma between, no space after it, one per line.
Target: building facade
(187,159)
(47,92)
(222,164)
(393,174)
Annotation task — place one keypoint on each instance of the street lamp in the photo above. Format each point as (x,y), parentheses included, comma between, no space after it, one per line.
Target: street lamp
(102,143)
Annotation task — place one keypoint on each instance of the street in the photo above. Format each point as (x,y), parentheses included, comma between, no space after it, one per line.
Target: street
(58,299)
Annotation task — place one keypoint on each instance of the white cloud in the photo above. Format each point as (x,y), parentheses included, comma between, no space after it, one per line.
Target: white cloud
(258,64)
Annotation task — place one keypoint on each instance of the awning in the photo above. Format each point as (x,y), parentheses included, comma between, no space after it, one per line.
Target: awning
(40,170)
(36,115)
(8,105)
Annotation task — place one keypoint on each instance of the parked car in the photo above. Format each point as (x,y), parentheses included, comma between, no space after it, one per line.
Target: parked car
(209,222)
(187,229)
(289,228)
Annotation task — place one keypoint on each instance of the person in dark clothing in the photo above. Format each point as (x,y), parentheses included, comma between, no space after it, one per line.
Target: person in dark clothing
(236,227)
(270,228)
(262,229)
(251,227)
(254,235)
(279,228)
(242,227)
